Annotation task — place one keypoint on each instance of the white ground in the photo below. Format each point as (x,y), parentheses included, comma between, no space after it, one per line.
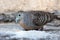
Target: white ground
(15,32)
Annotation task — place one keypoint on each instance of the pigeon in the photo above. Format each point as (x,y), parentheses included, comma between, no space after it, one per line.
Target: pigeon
(34,20)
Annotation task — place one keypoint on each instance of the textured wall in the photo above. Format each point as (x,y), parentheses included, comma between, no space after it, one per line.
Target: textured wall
(15,5)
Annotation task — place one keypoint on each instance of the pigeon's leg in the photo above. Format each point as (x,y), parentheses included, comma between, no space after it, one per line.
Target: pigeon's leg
(41,29)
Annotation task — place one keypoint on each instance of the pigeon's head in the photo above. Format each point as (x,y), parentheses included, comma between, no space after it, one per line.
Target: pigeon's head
(19,17)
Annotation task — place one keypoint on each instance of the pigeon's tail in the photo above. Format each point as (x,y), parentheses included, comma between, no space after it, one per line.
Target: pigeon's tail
(57,17)
(57,14)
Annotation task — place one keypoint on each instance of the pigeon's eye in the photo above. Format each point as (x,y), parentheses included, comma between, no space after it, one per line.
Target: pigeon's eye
(19,15)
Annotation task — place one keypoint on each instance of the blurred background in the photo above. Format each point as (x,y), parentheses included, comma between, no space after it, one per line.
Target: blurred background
(26,5)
